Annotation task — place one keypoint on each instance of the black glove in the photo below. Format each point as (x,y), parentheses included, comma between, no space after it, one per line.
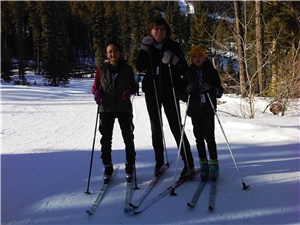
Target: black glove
(191,88)
(205,87)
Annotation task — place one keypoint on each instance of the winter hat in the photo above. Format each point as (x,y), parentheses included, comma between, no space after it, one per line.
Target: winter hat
(197,49)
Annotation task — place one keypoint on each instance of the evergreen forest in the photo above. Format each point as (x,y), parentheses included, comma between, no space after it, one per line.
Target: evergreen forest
(253,44)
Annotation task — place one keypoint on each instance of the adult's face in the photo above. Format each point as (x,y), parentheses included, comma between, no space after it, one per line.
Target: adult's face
(158,33)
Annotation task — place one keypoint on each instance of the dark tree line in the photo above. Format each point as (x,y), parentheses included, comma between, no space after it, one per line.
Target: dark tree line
(58,36)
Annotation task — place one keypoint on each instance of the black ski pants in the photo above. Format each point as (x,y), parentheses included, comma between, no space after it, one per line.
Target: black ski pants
(156,129)
(204,129)
(107,120)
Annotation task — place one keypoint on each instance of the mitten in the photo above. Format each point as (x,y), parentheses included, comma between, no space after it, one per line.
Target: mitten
(169,57)
(175,59)
(126,95)
(146,42)
(98,97)
(205,87)
(191,88)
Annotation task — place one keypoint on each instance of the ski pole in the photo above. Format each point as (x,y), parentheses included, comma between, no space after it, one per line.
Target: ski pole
(135,179)
(92,155)
(178,117)
(181,140)
(132,128)
(158,109)
(244,185)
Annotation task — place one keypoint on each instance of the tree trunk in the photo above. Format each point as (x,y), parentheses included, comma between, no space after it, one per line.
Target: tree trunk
(239,39)
(20,33)
(259,46)
(274,67)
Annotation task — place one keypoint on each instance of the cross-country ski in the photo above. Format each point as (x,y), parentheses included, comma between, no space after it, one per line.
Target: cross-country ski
(162,194)
(212,194)
(150,186)
(101,193)
(197,193)
(128,194)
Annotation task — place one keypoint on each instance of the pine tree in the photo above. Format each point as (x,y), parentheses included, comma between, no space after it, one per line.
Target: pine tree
(80,29)
(283,33)
(136,12)
(55,42)
(112,23)
(125,29)
(97,23)
(185,30)
(220,42)
(6,38)
(20,35)
(199,26)
(34,22)
(173,16)
(58,33)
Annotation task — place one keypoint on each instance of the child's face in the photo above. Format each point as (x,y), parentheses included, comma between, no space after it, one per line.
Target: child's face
(198,59)
(113,54)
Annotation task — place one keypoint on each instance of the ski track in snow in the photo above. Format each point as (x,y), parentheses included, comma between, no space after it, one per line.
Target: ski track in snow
(47,136)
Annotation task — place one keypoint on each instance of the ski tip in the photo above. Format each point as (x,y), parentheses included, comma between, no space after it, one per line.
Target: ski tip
(89,212)
(132,205)
(190,204)
(134,211)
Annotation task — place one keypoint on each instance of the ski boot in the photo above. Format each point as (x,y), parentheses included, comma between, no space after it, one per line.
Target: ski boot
(187,172)
(129,167)
(204,169)
(108,171)
(214,169)
(159,167)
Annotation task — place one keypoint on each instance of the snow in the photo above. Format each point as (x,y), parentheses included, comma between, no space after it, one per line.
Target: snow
(47,135)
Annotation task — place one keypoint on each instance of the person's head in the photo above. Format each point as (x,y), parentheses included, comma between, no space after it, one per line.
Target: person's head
(159,30)
(197,55)
(113,52)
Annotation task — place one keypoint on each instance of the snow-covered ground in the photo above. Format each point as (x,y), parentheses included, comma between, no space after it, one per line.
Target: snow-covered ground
(47,136)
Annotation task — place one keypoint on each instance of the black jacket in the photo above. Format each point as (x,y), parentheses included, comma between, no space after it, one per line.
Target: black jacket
(210,76)
(151,62)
